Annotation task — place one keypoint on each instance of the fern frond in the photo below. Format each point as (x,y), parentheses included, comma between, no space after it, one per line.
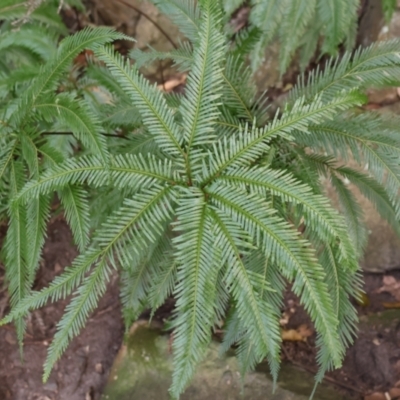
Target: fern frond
(16,246)
(61,287)
(37,216)
(35,39)
(337,18)
(250,147)
(182,56)
(184,13)
(199,108)
(75,202)
(239,89)
(76,313)
(375,193)
(370,143)
(296,14)
(136,170)
(247,289)
(152,207)
(79,119)
(376,65)
(50,74)
(148,99)
(352,213)
(195,289)
(296,262)
(6,157)
(320,218)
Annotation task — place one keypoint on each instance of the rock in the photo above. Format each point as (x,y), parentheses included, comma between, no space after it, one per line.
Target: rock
(371,22)
(143,371)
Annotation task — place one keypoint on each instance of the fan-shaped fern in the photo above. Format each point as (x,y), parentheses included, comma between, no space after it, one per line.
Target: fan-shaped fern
(205,201)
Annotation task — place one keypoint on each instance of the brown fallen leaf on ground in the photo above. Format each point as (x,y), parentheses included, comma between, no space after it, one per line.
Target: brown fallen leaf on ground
(395,393)
(393,305)
(172,83)
(296,335)
(390,285)
(378,396)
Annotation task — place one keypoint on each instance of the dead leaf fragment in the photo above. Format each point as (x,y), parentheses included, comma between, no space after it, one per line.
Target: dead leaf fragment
(394,393)
(376,396)
(296,335)
(395,305)
(390,285)
(10,338)
(172,83)
(99,368)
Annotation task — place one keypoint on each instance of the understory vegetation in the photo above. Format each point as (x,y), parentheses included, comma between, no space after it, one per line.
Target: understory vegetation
(200,196)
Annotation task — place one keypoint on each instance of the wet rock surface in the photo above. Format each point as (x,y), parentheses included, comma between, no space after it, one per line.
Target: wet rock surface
(142,370)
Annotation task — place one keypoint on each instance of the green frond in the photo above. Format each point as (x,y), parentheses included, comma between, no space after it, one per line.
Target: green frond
(296,261)
(319,217)
(250,146)
(30,154)
(75,202)
(76,313)
(75,115)
(342,286)
(184,13)
(370,142)
(6,157)
(46,14)
(150,102)
(257,318)
(337,18)
(37,217)
(50,74)
(195,288)
(146,279)
(267,16)
(376,65)
(199,107)
(149,207)
(375,193)
(123,169)
(61,287)
(163,273)
(389,7)
(16,246)
(182,56)
(296,14)
(239,89)
(352,213)
(246,40)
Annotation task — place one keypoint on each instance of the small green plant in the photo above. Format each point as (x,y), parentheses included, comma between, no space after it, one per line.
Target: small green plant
(304,25)
(202,196)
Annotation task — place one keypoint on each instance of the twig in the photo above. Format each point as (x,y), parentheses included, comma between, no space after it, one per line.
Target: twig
(326,378)
(70,133)
(125,3)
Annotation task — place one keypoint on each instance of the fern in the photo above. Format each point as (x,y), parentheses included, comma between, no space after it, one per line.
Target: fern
(200,195)
(302,25)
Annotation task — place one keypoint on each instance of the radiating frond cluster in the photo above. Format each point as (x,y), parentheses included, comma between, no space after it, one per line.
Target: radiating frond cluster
(199,196)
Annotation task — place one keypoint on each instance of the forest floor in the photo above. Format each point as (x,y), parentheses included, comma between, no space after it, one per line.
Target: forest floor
(371,365)
(371,369)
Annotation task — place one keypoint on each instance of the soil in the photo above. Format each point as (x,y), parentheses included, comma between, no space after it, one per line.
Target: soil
(372,364)
(83,370)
